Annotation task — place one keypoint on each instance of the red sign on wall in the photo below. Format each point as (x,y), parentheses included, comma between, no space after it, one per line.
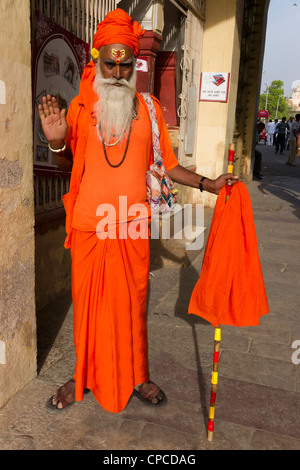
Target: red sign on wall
(263,113)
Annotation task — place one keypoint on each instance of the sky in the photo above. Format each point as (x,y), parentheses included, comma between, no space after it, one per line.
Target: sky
(281,57)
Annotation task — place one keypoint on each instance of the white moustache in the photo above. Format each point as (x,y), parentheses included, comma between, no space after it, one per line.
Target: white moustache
(114,81)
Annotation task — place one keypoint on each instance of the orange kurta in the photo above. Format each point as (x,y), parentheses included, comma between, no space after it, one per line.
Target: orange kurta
(105,186)
(230,289)
(109,275)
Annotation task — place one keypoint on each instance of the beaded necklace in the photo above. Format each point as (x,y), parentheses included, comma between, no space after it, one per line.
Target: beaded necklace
(102,139)
(104,149)
(104,144)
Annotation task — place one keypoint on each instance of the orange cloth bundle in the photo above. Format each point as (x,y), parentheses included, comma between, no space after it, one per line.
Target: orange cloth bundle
(230,289)
(118,28)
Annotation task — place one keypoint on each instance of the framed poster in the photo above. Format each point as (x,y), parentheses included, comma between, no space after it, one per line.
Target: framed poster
(58,61)
(214,86)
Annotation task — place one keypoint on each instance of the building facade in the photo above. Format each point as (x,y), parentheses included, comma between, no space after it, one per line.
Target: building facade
(294,99)
(201,58)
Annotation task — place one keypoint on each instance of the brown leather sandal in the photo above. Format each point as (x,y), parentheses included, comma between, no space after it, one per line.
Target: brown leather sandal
(64,395)
(147,398)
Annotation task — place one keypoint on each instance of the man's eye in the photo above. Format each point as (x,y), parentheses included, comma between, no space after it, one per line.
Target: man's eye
(111,65)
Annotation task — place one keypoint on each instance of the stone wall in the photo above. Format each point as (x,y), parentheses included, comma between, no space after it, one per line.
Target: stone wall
(17,298)
(52,262)
(215,126)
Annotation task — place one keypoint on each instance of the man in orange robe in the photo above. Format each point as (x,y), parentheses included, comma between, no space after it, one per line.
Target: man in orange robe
(106,140)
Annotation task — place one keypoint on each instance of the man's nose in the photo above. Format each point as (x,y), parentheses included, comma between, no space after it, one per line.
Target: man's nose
(117,72)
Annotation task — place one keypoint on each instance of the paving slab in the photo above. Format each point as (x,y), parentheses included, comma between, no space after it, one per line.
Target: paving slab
(257,401)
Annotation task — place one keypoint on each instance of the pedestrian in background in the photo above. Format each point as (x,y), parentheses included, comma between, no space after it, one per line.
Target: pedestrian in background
(281,135)
(288,132)
(293,141)
(270,129)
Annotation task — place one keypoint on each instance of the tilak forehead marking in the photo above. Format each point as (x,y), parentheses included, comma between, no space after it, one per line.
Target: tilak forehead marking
(118,54)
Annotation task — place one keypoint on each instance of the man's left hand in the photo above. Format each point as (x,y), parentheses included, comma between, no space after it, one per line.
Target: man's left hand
(215,186)
(189,178)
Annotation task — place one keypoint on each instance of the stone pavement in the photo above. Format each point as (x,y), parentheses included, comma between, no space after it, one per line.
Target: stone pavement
(258,397)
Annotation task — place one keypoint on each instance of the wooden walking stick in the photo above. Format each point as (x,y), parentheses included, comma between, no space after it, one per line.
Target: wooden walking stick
(230,167)
(217,339)
(214,383)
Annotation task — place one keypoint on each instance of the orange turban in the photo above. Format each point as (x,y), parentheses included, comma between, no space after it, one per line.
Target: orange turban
(118,28)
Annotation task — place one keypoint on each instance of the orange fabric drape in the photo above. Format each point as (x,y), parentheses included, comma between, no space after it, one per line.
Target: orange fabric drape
(109,287)
(230,289)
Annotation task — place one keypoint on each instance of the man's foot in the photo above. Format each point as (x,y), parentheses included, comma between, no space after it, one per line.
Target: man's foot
(64,396)
(150,393)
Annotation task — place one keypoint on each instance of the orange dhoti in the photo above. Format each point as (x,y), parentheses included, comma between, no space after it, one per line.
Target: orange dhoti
(109,287)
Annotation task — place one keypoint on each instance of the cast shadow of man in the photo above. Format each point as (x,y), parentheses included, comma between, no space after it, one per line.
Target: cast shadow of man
(287,194)
(281,181)
(188,277)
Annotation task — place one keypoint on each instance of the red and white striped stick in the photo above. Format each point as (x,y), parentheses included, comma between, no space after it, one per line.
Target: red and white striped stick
(217,339)
(214,383)
(230,167)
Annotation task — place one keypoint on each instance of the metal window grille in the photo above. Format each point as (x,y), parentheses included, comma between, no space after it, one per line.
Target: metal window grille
(79,17)
(48,191)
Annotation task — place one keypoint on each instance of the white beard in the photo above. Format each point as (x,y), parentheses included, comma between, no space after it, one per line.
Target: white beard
(114,108)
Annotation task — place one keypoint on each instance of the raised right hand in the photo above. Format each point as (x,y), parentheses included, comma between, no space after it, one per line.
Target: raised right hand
(53,120)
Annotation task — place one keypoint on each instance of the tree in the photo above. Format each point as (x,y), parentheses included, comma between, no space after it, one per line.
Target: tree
(274,101)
